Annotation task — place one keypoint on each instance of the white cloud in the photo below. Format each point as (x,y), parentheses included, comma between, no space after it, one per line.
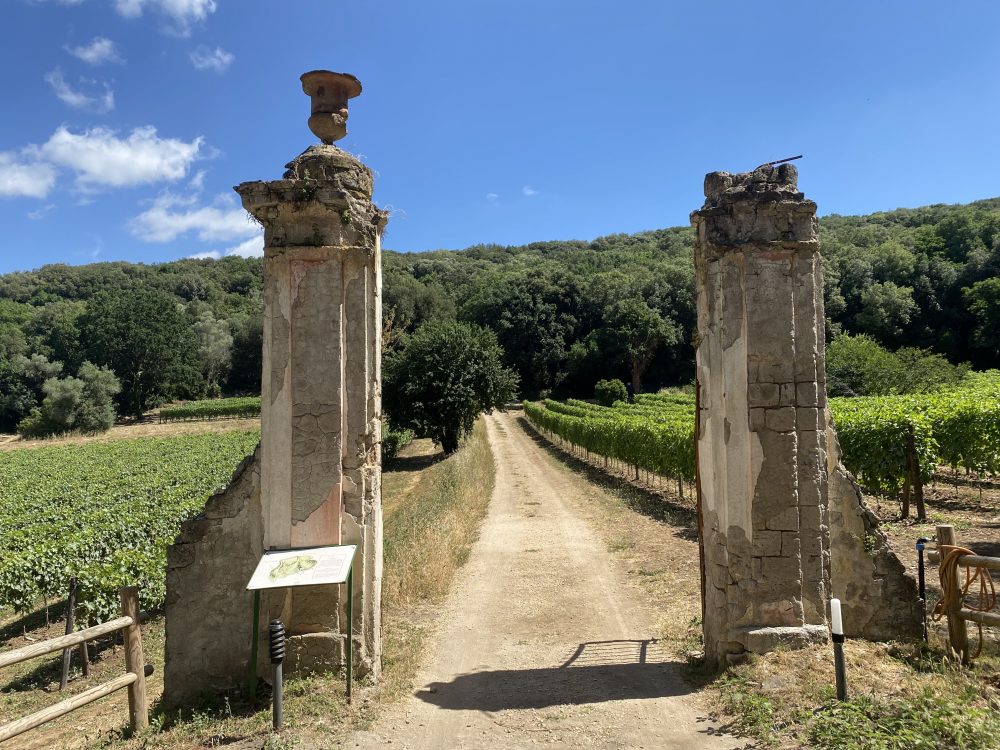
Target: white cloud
(100,158)
(529,191)
(170,216)
(197,182)
(79,99)
(100,50)
(252,248)
(41,213)
(218,59)
(31,179)
(492,197)
(182,12)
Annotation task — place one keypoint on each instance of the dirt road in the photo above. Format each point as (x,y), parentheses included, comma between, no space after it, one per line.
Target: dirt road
(541,642)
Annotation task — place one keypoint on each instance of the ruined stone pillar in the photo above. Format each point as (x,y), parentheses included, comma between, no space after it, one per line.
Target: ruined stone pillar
(315,479)
(321,406)
(761,433)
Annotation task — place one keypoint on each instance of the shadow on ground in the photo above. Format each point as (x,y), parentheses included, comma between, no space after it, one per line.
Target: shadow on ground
(414,463)
(596,672)
(657,505)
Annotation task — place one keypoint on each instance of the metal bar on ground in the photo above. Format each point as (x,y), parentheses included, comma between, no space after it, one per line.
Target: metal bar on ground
(15,728)
(66,641)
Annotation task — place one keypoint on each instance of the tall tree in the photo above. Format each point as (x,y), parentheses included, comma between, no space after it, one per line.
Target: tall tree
(215,348)
(639,331)
(148,343)
(443,377)
(983,300)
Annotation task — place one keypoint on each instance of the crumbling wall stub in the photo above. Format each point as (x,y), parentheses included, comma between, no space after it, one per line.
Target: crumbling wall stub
(763,430)
(880,600)
(208,625)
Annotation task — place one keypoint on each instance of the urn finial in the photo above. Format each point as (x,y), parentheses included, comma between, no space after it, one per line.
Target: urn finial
(329,92)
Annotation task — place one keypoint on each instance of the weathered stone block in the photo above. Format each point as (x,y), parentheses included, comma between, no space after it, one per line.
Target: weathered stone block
(787,396)
(811,519)
(790,544)
(763,394)
(781,419)
(775,372)
(807,394)
(807,419)
(766,543)
(785,520)
(781,570)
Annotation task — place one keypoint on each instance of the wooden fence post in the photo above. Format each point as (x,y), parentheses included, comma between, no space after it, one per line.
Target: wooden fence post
(958,631)
(134,661)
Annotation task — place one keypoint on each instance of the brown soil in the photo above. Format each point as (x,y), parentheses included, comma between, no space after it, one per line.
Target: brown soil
(547,636)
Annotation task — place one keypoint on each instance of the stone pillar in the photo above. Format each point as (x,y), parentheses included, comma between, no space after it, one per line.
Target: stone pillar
(761,432)
(321,406)
(315,479)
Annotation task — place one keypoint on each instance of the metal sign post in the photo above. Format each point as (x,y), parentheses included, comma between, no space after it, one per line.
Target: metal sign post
(308,566)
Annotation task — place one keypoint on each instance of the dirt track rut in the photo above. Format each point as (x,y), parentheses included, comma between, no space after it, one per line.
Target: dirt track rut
(541,642)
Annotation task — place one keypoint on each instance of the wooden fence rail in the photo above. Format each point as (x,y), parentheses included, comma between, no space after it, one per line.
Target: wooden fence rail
(134,678)
(952,605)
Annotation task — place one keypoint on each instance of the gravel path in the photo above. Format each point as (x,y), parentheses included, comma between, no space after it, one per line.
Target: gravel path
(541,642)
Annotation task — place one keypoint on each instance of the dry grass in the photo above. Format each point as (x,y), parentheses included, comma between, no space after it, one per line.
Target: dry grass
(427,541)
(133,431)
(434,510)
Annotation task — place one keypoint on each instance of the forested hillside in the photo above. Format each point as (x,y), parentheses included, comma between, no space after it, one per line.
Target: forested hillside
(566,313)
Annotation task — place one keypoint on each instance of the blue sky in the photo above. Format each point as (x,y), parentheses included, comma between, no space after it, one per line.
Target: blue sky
(125,123)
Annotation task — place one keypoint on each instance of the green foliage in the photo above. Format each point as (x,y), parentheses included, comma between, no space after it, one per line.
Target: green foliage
(104,513)
(393,441)
(81,404)
(215,347)
(442,378)
(958,426)
(247,358)
(926,721)
(640,331)
(983,301)
(567,314)
(656,433)
(606,392)
(147,341)
(754,713)
(246,407)
(860,366)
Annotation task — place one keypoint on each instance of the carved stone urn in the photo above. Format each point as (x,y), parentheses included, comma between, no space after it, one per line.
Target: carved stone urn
(329,92)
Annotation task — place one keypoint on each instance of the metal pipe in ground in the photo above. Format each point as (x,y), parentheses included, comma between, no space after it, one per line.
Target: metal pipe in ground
(921,581)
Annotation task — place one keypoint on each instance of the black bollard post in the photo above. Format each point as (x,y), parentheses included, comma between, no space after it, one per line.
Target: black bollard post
(837,636)
(277,632)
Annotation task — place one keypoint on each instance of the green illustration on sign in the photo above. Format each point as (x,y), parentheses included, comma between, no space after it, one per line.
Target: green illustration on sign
(292,565)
